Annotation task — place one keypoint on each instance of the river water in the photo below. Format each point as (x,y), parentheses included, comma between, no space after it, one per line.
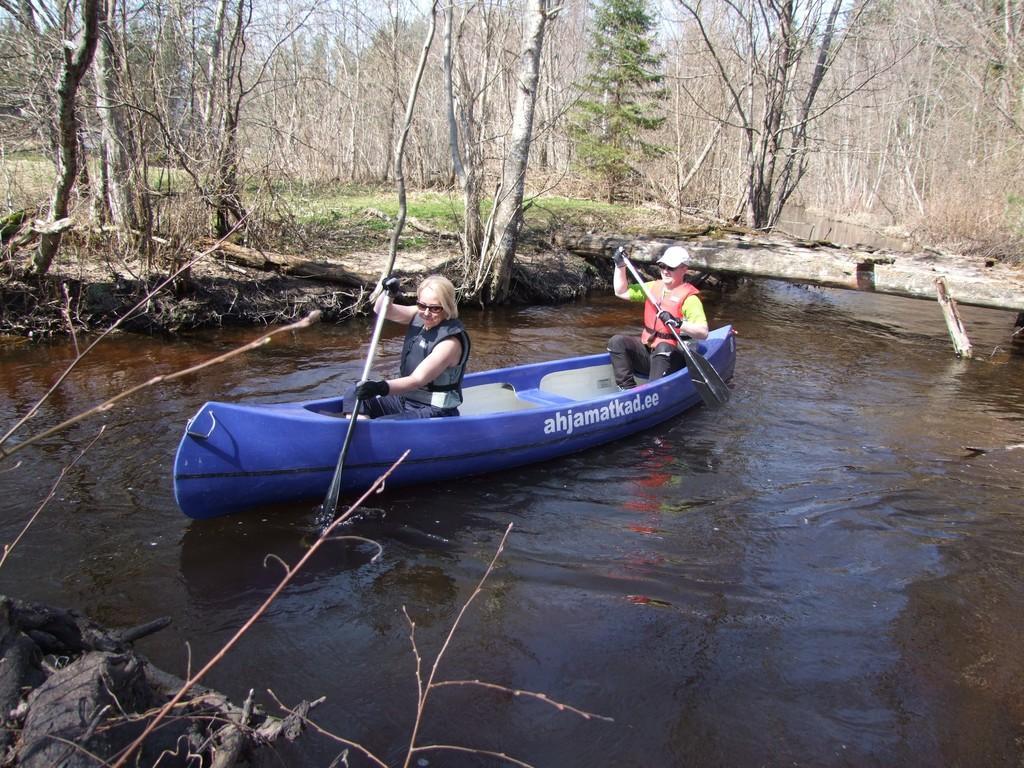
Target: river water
(816,574)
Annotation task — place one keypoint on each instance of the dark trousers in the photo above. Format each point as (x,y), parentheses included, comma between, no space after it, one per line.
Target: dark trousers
(630,356)
(398,407)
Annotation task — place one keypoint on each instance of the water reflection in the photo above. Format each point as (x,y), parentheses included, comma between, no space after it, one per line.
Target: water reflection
(798,221)
(818,573)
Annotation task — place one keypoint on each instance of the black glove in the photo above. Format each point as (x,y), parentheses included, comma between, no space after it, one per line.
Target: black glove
(391,286)
(667,319)
(619,257)
(366,390)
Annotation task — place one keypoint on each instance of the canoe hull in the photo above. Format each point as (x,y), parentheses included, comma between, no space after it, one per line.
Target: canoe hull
(234,457)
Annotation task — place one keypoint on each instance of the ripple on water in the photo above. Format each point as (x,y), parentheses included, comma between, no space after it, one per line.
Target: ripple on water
(817,573)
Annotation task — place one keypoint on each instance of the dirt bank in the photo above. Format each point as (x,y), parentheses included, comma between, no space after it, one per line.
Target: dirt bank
(220,290)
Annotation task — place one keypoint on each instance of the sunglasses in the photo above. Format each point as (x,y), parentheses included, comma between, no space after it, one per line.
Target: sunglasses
(429,307)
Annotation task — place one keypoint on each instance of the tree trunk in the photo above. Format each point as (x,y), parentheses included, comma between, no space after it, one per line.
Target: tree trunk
(466,160)
(399,152)
(119,186)
(795,164)
(228,208)
(76,64)
(508,217)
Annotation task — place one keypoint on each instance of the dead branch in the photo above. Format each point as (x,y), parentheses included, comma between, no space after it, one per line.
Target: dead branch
(49,496)
(414,223)
(542,697)
(304,717)
(142,303)
(285,264)
(325,535)
(425,690)
(305,322)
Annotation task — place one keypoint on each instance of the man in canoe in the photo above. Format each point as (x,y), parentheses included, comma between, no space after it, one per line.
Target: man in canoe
(655,353)
(433,357)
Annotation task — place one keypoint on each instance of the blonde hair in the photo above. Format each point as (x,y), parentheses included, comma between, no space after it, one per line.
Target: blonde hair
(445,292)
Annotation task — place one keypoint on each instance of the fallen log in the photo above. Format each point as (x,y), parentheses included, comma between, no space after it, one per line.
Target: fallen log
(969,280)
(285,264)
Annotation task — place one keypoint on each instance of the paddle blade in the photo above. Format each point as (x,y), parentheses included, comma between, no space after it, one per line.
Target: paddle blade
(709,384)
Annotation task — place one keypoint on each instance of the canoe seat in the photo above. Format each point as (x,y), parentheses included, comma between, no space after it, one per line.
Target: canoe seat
(581,383)
(491,398)
(543,397)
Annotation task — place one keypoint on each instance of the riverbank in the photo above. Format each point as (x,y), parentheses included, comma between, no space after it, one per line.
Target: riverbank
(221,293)
(332,268)
(327,256)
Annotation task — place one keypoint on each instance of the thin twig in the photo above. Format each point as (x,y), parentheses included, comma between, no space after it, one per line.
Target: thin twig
(305,322)
(66,311)
(528,694)
(324,732)
(425,691)
(194,679)
(144,301)
(475,751)
(410,109)
(50,495)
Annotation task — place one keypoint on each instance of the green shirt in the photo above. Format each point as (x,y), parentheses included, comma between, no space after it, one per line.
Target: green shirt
(693,309)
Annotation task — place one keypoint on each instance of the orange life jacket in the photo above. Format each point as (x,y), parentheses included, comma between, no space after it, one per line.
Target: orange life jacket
(656,331)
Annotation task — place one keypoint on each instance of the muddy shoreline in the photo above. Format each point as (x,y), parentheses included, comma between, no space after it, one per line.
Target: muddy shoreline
(75,297)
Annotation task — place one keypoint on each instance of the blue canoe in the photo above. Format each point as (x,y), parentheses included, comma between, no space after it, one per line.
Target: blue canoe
(234,457)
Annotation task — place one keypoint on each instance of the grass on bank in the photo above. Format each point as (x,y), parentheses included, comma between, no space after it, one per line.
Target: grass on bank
(444,210)
(329,221)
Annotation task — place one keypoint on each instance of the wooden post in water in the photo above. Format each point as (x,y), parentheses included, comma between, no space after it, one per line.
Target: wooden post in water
(961,344)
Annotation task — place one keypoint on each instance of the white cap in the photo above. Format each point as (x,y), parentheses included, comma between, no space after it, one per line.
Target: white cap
(674,256)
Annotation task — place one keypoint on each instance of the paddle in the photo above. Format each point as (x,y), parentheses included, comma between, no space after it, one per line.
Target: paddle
(711,387)
(326,513)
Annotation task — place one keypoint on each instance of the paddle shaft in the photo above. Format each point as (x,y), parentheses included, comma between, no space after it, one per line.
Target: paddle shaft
(331,500)
(705,378)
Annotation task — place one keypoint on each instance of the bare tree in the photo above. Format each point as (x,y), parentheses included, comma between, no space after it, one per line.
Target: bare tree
(119,171)
(464,127)
(773,87)
(508,212)
(76,61)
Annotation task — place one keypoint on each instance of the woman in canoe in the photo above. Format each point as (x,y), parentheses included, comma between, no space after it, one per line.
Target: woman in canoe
(655,352)
(433,357)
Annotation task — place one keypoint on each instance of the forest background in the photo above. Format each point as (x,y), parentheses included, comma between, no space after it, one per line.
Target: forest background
(131,133)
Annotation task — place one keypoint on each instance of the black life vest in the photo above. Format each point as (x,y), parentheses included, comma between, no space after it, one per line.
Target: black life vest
(446,390)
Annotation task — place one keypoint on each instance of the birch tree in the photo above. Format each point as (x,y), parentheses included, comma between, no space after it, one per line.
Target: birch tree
(508,213)
(121,185)
(466,103)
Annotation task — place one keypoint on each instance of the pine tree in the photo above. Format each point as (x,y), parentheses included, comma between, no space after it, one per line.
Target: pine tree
(622,95)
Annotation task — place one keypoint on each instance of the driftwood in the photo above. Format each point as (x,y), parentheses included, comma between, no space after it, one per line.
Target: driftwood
(969,280)
(955,326)
(72,691)
(285,264)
